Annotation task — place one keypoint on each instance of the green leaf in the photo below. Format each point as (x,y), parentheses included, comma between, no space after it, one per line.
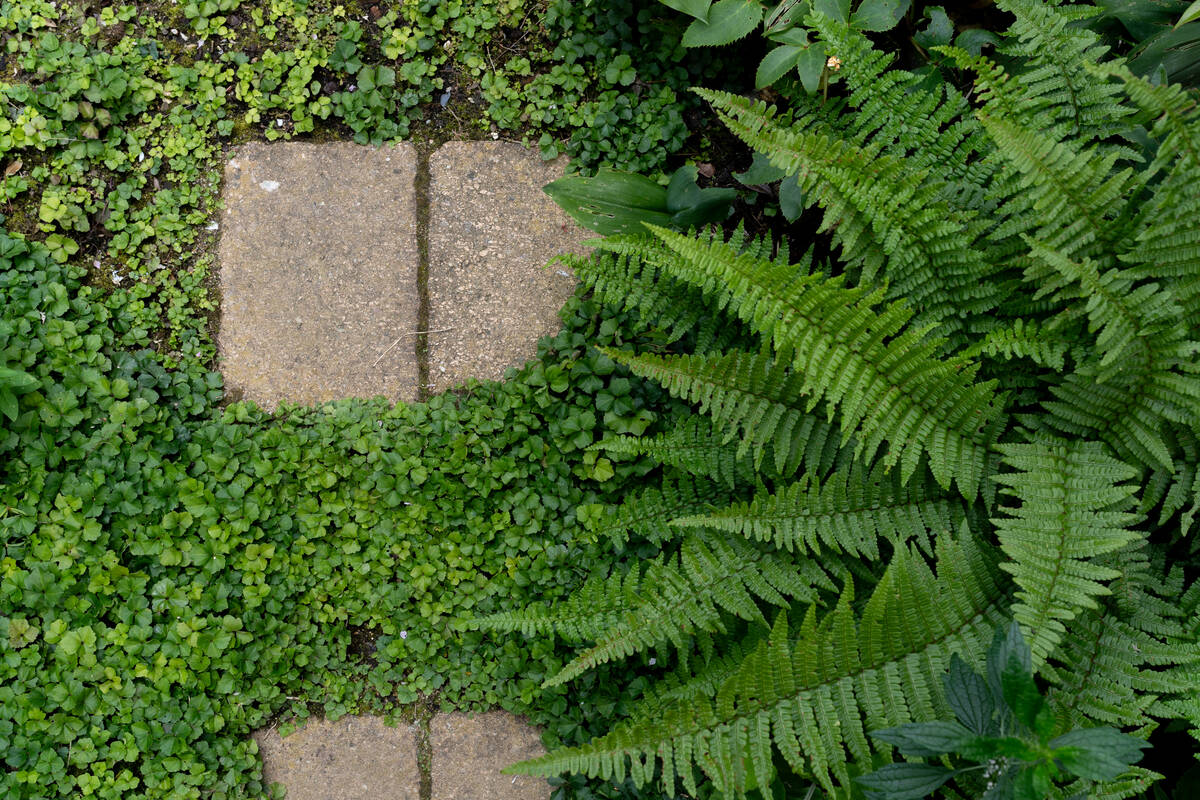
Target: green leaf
(939,32)
(761,171)
(926,739)
(810,66)
(1192,13)
(969,697)
(1099,754)
(694,8)
(611,202)
(879,15)
(693,206)
(834,9)
(785,15)
(16,380)
(791,199)
(904,781)
(776,64)
(728,21)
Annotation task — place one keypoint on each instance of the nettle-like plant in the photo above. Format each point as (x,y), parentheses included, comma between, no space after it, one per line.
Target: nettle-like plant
(985,405)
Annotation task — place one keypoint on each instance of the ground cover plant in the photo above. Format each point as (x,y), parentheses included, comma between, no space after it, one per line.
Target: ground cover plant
(177,569)
(980,407)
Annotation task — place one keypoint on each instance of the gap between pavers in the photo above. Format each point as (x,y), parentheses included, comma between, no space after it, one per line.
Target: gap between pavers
(360,758)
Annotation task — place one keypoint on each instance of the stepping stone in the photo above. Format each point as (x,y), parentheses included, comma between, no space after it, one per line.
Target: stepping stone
(470,750)
(491,231)
(318,273)
(354,758)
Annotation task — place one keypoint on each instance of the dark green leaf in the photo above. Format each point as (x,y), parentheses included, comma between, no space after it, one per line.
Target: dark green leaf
(1099,754)
(969,696)
(925,739)
(693,8)
(879,15)
(810,65)
(973,40)
(776,64)
(904,781)
(728,21)
(611,202)
(761,171)
(940,30)
(786,14)
(791,199)
(834,9)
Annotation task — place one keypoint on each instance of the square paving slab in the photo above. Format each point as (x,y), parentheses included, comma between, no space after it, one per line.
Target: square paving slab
(318,273)
(354,758)
(470,750)
(491,232)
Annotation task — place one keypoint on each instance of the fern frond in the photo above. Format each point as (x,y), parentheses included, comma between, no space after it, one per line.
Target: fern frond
(1073,500)
(886,217)
(814,696)
(693,446)
(1022,339)
(848,513)
(679,598)
(647,513)
(1085,210)
(881,374)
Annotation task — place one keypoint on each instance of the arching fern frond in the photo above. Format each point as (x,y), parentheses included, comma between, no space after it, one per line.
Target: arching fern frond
(693,446)
(812,697)
(1022,339)
(671,601)
(884,215)
(847,513)
(882,375)
(647,514)
(1073,502)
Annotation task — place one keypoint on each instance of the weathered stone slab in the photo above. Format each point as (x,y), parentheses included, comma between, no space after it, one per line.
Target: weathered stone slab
(470,750)
(354,758)
(492,230)
(318,270)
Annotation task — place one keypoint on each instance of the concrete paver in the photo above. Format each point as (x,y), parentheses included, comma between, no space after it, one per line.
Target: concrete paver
(318,271)
(354,758)
(491,232)
(470,750)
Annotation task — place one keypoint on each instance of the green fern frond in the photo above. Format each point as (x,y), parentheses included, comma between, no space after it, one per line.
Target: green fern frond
(1073,507)
(1022,339)
(880,373)
(848,513)
(679,598)
(814,696)
(693,446)
(647,513)
(1084,208)
(1054,89)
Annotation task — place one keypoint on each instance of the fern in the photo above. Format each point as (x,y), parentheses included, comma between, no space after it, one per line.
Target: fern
(693,446)
(849,513)
(813,696)
(1072,508)
(647,513)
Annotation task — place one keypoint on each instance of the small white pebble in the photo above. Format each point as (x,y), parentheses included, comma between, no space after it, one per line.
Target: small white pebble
(278,123)
(495,135)
(117,278)
(269,186)
(212,226)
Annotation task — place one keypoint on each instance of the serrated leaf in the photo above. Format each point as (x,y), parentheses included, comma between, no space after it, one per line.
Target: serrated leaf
(1099,754)
(728,21)
(611,202)
(926,739)
(693,8)
(776,64)
(879,15)
(969,697)
(904,781)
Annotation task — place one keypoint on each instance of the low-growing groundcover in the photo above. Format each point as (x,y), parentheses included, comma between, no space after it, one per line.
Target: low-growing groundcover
(175,573)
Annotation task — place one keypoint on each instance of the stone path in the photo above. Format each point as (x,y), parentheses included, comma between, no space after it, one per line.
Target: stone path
(360,758)
(350,271)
